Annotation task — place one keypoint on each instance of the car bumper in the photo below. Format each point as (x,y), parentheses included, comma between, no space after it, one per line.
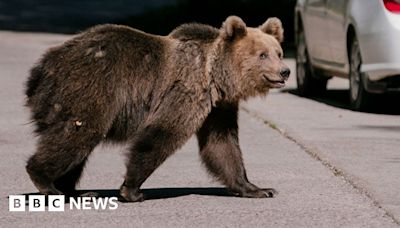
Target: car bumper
(380,46)
(386,85)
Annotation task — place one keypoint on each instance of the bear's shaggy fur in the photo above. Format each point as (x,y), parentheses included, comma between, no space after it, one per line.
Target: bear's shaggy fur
(117,84)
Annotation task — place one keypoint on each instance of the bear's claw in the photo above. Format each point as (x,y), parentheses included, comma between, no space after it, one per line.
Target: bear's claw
(259,193)
(130,195)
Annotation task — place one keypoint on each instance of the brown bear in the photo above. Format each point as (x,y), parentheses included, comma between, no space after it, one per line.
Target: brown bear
(116,84)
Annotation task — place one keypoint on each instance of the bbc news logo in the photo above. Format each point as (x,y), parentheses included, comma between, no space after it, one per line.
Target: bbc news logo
(57,203)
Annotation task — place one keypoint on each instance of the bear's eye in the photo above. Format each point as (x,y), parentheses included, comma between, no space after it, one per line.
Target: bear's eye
(263,56)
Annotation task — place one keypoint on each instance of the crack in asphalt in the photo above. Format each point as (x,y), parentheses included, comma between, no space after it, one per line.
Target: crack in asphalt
(313,152)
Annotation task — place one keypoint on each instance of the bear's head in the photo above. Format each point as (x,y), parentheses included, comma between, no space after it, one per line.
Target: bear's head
(255,56)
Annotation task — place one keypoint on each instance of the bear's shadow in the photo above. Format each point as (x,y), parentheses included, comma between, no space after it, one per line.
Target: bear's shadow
(158,193)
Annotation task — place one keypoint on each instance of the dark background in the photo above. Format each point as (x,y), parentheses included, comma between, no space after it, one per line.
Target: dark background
(153,16)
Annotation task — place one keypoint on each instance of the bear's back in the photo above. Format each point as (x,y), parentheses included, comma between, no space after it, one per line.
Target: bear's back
(195,31)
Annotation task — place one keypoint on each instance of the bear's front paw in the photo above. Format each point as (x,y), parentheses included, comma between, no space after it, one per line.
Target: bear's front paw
(90,194)
(130,195)
(260,193)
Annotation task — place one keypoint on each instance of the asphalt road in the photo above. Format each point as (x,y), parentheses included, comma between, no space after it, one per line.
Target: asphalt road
(332,167)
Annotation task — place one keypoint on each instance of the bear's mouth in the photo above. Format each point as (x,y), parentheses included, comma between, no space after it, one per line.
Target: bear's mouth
(275,83)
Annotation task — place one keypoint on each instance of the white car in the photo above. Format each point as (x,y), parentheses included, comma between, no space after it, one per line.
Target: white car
(355,39)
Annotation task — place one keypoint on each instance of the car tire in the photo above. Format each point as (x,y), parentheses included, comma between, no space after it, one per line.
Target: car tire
(307,83)
(360,99)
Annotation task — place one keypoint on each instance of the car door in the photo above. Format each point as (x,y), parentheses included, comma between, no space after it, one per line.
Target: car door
(337,32)
(316,30)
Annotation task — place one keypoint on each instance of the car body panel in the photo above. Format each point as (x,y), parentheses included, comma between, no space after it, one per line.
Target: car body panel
(377,30)
(379,38)
(315,18)
(337,30)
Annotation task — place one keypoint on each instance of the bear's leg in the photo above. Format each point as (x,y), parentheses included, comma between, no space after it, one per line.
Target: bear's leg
(60,156)
(166,129)
(67,182)
(220,152)
(150,149)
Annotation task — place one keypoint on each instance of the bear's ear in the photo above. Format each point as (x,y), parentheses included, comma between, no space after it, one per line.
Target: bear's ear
(233,27)
(273,26)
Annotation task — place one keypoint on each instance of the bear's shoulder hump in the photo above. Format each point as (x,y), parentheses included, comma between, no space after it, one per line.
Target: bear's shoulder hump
(195,31)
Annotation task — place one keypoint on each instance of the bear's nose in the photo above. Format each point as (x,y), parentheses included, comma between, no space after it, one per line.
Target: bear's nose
(285,72)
